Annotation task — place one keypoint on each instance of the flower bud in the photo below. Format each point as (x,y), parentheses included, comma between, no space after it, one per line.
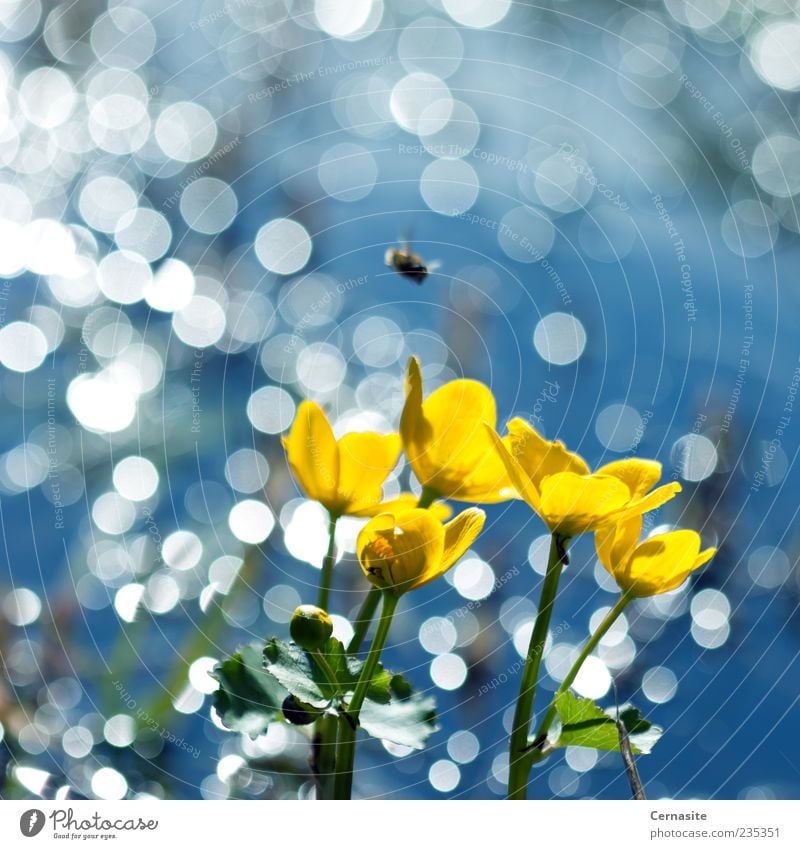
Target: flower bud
(310,627)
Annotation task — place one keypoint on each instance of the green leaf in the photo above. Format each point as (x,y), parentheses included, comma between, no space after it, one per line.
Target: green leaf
(405,719)
(248,698)
(641,732)
(255,681)
(299,673)
(380,688)
(304,676)
(585,724)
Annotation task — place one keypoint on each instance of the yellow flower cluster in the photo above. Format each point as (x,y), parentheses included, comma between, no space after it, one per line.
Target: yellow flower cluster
(453,448)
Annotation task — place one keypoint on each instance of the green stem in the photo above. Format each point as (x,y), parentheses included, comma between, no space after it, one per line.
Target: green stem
(426,498)
(348,723)
(330,675)
(327,565)
(363,620)
(325,757)
(519,760)
(323,745)
(345,758)
(591,645)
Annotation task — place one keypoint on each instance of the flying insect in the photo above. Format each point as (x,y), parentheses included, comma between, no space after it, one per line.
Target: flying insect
(408,264)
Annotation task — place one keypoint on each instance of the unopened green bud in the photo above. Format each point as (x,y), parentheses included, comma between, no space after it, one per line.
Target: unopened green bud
(310,627)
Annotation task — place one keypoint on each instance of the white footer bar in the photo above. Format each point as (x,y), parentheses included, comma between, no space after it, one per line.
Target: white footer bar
(386,825)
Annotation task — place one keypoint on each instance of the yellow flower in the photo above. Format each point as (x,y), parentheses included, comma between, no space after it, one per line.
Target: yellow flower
(446,443)
(659,564)
(410,549)
(345,475)
(408,501)
(559,486)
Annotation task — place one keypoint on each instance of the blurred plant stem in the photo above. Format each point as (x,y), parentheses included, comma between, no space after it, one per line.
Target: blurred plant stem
(364,619)
(202,639)
(348,721)
(519,756)
(326,577)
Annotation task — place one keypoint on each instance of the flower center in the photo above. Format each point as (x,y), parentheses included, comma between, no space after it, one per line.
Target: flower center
(394,558)
(381,557)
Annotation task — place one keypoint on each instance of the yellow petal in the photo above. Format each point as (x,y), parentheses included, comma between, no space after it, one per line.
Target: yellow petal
(457,447)
(365,460)
(458,537)
(312,454)
(395,552)
(460,534)
(575,504)
(616,542)
(441,511)
(704,557)
(445,440)
(516,474)
(662,563)
(404,501)
(640,476)
(653,500)
(488,483)
(414,430)
(410,418)
(539,457)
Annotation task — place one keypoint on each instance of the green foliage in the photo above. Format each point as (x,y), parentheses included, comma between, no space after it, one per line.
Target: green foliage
(408,720)
(585,724)
(248,698)
(318,678)
(299,673)
(255,682)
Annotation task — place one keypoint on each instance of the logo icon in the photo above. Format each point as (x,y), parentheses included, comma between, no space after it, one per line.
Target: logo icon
(31,822)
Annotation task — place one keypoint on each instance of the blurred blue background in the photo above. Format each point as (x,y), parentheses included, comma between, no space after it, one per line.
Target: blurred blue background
(195,202)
